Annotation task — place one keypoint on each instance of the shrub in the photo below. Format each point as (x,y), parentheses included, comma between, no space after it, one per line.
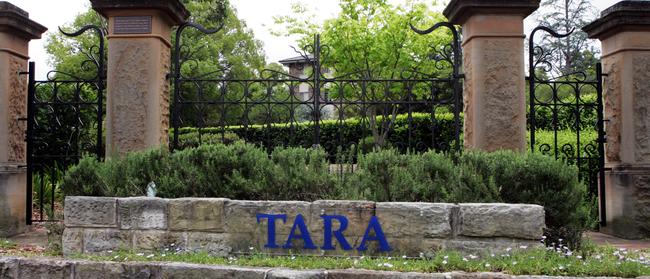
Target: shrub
(333,133)
(244,171)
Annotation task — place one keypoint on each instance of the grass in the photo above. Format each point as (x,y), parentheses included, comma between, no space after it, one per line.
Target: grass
(7,244)
(556,261)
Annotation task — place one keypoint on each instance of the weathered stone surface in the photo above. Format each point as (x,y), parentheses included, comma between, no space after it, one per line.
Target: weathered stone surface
(72,241)
(9,267)
(44,268)
(402,219)
(191,271)
(613,108)
(369,274)
(509,220)
(142,213)
(641,118)
(197,214)
(241,215)
(149,240)
(295,274)
(216,244)
(358,214)
(481,275)
(103,240)
(99,270)
(90,212)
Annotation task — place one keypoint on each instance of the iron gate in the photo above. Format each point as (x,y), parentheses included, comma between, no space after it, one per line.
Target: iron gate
(64,122)
(313,105)
(566,114)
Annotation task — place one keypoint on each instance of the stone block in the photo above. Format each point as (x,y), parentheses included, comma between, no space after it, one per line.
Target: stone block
(152,240)
(358,214)
(72,241)
(478,275)
(241,215)
(98,270)
(401,219)
(90,212)
(507,220)
(142,213)
(44,268)
(197,214)
(104,240)
(216,244)
(296,274)
(191,271)
(369,274)
(9,267)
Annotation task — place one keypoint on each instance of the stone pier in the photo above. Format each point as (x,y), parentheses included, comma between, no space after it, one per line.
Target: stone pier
(493,47)
(16,30)
(137,108)
(624,31)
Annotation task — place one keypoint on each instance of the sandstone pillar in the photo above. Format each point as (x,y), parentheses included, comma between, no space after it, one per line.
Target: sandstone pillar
(624,32)
(16,30)
(137,107)
(493,58)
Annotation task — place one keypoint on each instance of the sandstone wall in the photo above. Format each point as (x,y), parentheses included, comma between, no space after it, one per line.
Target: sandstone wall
(224,227)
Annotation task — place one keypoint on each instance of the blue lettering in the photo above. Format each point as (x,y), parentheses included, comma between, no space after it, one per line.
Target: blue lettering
(299,224)
(270,239)
(327,232)
(379,236)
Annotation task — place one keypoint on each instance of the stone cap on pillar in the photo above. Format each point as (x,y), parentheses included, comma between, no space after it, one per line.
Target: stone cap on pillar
(458,11)
(173,8)
(629,15)
(16,21)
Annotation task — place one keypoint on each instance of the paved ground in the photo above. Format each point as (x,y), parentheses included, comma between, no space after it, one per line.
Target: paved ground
(603,239)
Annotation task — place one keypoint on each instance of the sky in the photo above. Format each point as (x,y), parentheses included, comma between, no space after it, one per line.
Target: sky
(258,15)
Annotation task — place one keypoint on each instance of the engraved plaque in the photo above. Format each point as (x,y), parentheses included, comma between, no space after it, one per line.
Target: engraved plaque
(132,25)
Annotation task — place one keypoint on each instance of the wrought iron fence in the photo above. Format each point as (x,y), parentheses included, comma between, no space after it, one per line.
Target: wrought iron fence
(567,105)
(313,105)
(64,121)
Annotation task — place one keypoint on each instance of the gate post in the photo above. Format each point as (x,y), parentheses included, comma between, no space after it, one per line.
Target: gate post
(624,32)
(16,30)
(493,60)
(139,57)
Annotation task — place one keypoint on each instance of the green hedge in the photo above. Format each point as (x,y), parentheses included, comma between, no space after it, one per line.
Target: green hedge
(333,134)
(243,171)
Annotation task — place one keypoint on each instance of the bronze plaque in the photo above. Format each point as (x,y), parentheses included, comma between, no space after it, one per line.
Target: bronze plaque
(132,25)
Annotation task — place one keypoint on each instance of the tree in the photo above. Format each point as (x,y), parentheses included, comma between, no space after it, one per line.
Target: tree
(371,41)
(233,52)
(574,53)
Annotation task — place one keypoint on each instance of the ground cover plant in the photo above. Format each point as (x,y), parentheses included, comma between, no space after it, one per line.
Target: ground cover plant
(556,260)
(245,171)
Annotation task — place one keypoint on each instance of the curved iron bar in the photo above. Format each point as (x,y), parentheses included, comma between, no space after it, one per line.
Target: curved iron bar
(176,74)
(456,63)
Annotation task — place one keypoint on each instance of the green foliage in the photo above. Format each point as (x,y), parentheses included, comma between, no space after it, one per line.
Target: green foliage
(599,261)
(243,171)
(333,134)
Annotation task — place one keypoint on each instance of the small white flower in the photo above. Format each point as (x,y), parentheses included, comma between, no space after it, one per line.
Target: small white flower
(561,267)
(508,249)
(387,265)
(139,254)
(514,263)
(172,245)
(390,258)
(404,263)
(110,251)
(445,257)
(164,255)
(356,262)
(523,247)
(487,265)
(421,255)
(473,257)
(149,256)
(444,262)
(465,259)
(404,257)
(293,257)
(579,257)
(492,255)
(251,248)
